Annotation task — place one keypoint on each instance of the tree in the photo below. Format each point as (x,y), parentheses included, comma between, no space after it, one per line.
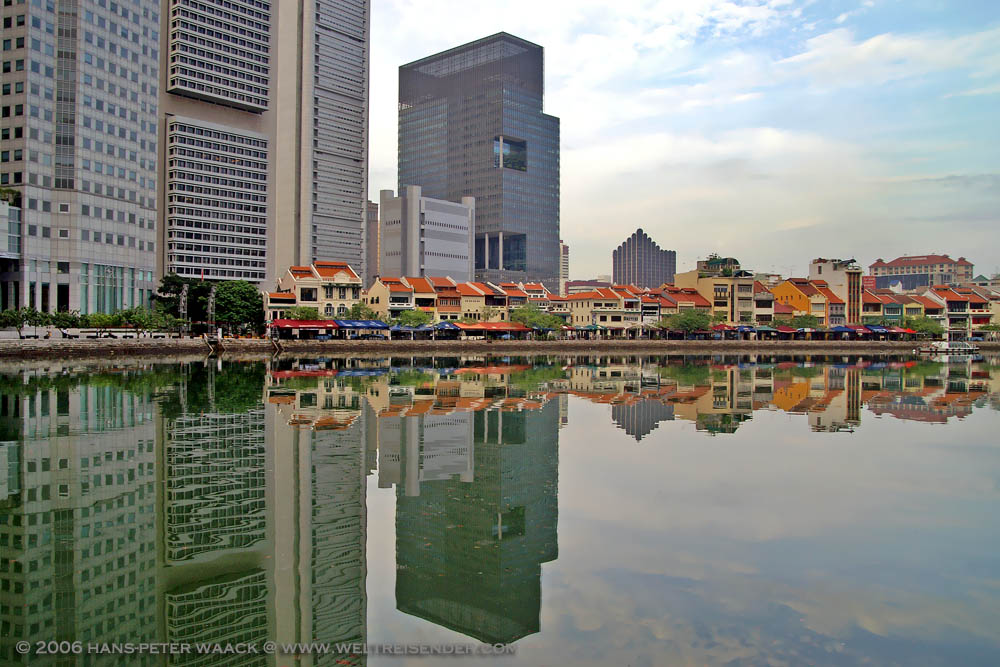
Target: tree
(805,322)
(360,311)
(239,305)
(66,319)
(924,325)
(719,318)
(413,318)
(169,295)
(302,313)
(688,320)
(534,317)
(104,321)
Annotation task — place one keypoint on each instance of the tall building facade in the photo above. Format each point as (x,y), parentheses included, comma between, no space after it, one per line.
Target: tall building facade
(471,124)
(420,236)
(641,262)
(78,142)
(263,121)
(371,243)
(843,276)
(563,267)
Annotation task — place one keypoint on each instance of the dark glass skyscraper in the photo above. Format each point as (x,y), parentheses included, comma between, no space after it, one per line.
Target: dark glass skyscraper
(471,124)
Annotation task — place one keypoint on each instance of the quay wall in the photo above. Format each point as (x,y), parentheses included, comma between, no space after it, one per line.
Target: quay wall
(13,350)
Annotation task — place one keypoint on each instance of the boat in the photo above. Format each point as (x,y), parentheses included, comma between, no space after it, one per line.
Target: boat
(951,352)
(949,347)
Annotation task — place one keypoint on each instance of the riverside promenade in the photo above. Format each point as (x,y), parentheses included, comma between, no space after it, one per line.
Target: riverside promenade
(167,348)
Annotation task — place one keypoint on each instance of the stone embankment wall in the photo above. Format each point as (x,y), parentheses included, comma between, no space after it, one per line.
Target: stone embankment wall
(11,350)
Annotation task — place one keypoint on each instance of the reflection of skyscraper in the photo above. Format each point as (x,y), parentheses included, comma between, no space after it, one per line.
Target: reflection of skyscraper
(77,538)
(214,475)
(469,554)
(319,460)
(214,528)
(640,418)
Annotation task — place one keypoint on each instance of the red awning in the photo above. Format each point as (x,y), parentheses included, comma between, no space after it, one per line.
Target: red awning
(512,327)
(304,324)
(722,327)
(787,329)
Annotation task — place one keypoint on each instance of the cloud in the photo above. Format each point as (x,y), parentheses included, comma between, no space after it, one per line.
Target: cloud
(835,58)
(718,124)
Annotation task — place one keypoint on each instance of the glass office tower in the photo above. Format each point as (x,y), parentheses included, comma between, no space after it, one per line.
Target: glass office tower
(471,124)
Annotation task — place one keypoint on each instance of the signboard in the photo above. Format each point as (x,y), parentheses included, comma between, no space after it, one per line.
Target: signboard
(867,282)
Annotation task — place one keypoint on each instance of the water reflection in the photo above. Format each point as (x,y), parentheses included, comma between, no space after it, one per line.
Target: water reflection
(211,502)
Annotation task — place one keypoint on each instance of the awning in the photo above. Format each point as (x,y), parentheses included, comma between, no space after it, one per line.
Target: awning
(722,327)
(877,328)
(745,329)
(446,326)
(858,329)
(402,327)
(787,330)
(766,329)
(304,324)
(504,327)
(898,330)
(842,329)
(361,324)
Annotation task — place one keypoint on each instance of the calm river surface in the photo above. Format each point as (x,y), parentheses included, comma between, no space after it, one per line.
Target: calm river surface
(585,510)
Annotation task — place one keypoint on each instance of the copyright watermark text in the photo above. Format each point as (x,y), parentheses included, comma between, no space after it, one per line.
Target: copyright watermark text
(262,648)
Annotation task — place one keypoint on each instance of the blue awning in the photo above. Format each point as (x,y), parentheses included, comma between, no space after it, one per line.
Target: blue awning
(841,329)
(877,328)
(361,324)
(745,329)
(402,327)
(447,326)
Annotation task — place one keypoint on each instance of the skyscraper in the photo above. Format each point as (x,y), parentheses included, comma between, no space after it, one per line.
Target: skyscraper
(563,267)
(420,236)
(264,123)
(371,243)
(639,261)
(471,124)
(78,139)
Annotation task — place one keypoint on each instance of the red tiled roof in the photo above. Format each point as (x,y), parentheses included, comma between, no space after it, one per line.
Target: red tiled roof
(486,289)
(783,309)
(830,296)
(421,285)
(919,260)
(300,271)
(534,287)
(281,296)
(758,287)
(804,286)
(441,281)
(927,303)
(948,294)
(515,291)
(331,269)
(468,289)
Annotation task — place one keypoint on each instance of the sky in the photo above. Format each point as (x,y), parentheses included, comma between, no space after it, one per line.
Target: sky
(774,131)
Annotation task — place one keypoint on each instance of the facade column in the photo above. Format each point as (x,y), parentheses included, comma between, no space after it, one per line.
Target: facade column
(500,250)
(486,251)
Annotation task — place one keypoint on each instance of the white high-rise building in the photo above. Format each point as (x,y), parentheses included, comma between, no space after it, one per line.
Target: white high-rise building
(78,142)
(263,112)
(420,236)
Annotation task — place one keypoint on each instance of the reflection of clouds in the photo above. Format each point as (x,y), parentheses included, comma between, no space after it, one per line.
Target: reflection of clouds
(773,546)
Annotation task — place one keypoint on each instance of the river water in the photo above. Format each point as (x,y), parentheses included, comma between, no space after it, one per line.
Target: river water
(575,510)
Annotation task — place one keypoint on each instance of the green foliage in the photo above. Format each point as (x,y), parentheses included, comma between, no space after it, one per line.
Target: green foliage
(411,378)
(11,196)
(65,319)
(719,318)
(23,317)
(412,318)
(360,311)
(805,322)
(302,313)
(688,321)
(531,378)
(536,318)
(924,325)
(104,321)
(168,296)
(240,306)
